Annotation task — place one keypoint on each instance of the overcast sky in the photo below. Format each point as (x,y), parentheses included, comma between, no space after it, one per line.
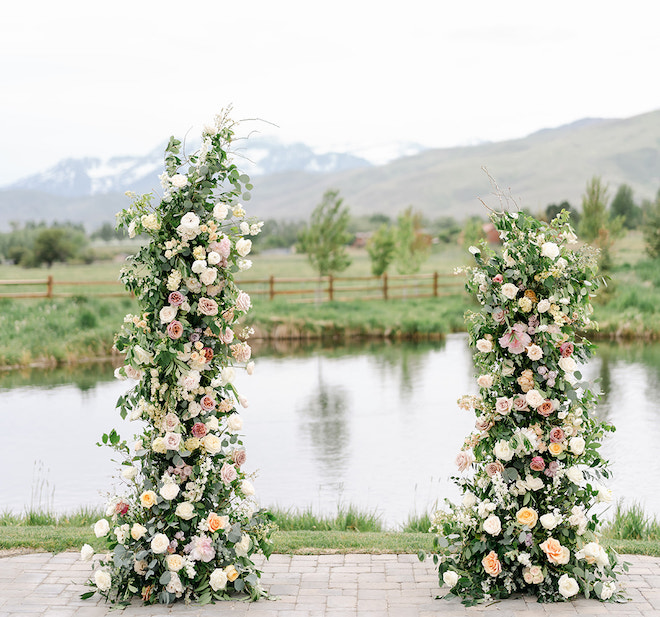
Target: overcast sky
(89,78)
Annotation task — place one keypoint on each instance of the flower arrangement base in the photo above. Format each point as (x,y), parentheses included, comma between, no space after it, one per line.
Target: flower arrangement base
(531,473)
(186,523)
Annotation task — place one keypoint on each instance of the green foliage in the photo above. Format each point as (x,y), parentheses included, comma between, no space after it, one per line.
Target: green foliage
(624,206)
(632,523)
(552,210)
(348,518)
(381,248)
(37,243)
(277,234)
(473,232)
(325,238)
(651,226)
(413,245)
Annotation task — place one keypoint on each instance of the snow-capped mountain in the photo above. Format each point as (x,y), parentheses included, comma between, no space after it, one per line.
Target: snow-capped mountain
(256,156)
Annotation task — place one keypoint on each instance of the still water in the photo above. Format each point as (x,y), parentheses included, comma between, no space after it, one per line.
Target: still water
(376,426)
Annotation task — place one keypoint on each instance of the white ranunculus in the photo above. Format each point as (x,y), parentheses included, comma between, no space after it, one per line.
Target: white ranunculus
(509,290)
(503,450)
(243,247)
(549,521)
(568,586)
(576,445)
(86,552)
(550,249)
(493,525)
(568,365)
(450,578)
(234,422)
(160,543)
(218,579)
(185,510)
(102,580)
(167,313)
(101,528)
(220,211)
(178,181)
(169,490)
(575,475)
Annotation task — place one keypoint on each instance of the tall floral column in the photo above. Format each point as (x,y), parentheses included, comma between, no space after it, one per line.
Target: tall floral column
(531,472)
(186,525)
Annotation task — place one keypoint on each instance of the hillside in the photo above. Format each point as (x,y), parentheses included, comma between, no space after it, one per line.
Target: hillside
(548,166)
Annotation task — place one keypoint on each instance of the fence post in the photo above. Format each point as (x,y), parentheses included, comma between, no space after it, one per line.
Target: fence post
(331,291)
(435,284)
(271,287)
(384,285)
(49,289)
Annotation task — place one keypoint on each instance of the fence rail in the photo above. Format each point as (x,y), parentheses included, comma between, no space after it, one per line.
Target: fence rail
(297,289)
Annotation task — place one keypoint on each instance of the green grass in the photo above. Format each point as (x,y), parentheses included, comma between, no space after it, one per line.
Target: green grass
(631,523)
(347,519)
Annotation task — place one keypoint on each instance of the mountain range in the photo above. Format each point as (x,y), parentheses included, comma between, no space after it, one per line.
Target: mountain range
(548,166)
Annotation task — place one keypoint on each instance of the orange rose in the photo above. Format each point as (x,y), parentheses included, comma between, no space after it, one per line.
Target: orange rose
(555,552)
(214,522)
(232,573)
(555,448)
(527,517)
(491,564)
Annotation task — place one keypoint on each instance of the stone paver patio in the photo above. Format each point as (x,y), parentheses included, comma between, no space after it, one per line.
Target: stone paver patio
(46,585)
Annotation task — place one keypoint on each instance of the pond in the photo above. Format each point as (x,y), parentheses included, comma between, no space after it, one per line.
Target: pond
(375,425)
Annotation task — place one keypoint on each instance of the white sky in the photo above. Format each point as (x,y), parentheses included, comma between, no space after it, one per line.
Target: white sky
(89,78)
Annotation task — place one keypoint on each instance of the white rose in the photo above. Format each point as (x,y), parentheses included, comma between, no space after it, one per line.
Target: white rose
(568,586)
(534,352)
(179,181)
(101,528)
(213,424)
(175,585)
(243,247)
(493,525)
(534,398)
(543,306)
(576,444)
(503,451)
(549,249)
(102,580)
(142,356)
(485,381)
(218,578)
(509,290)
(86,552)
(167,314)
(242,546)
(594,553)
(249,367)
(247,488)
(227,375)
(244,264)
(533,483)
(160,543)
(450,578)
(174,562)
(190,221)
(605,495)
(138,531)
(149,221)
(185,510)
(575,475)
(234,422)
(469,499)
(607,590)
(199,265)
(567,364)
(484,345)
(220,211)
(208,276)
(212,444)
(549,521)
(213,258)
(169,490)
(131,229)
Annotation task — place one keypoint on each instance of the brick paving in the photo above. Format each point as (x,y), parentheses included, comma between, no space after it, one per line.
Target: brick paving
(46,585)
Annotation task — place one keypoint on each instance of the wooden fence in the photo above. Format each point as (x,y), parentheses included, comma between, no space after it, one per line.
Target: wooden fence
(319,289)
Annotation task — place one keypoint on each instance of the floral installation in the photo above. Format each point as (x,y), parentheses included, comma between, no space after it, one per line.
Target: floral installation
(187,524)
(531,472)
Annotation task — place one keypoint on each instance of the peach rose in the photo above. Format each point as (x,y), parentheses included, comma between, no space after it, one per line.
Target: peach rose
(493,468)
(174,330)
(555,552)
(555,448)
(527,517)
(545,408)
(232,573)
(216,522)
(148,499)
(491,564)
(526,380)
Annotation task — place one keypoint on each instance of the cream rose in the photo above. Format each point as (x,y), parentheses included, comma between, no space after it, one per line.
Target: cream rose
(243,247)
(469,499)
(148,499)
(179,181)
(450,578)
(503,450)
(160,543)
(234,422)
(568,586)
(101,528)
(198,266)
(485,381)
(568,365)
(172,441)
(534,398)
(142,356)
(576,445)
(86,552)
(594,553)
(493,525)
(607,590)
(212,444)
(185,510)
(509,290)
(138,531)
(102,580)
(575,475)
(550,249)
(149,221)
(208,276)
(247,488)
(169,491)
(484,345)
(549,521)
(167,313)
(543,306)
(174,562)
(527,517)
(242,546)
(534,352)
(218,579)
(220,211)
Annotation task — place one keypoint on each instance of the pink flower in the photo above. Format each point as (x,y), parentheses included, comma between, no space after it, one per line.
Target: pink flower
(207,402)
(503,405)
(228,473)
(537,463)
(241,352)
(172,441)
(498,278)
(243,302)
(239,456)
(516,339)
(121,507)
(499,315)
(200,549)
(227,336)
(206,306)
(176,298)
(199,430)
(464,459)
(566,349)
(520,403)
(174,329)
(546,408)
(553,468)
(556,435)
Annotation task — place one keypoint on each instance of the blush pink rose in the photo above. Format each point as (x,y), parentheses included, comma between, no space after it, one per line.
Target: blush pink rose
(503,405)
(239,456)
(520,403)
(243,302)
(228,473)
(537,463)
(566,349)
(207,306)
(199,430)
(493,468)
(498,278)
(499,315)
(557,435)
(464,459)
(207,402)
(176,298)
(175,330)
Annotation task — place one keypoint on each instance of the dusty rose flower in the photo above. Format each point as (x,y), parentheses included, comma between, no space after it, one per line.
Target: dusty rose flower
(566,349)
(520,404)
(499,315)
(503,405)
(493,468)
(464,459)
(498,278)
(207,306)
(515,339)
(537,463)
(199,430)
(174,329)
(239,456)
(207,352)
(481,424)
(545,408)
(228,473)
(553,468)
(227,336)
(556,434)
(241,352)
(207,402)
(243,302)
(172,441)
(176,298)
(170,422)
